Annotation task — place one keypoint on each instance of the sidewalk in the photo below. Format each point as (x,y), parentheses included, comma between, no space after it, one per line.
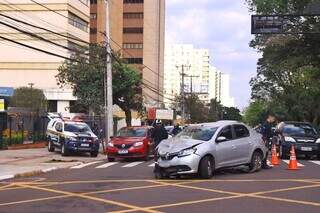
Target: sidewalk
(22,162)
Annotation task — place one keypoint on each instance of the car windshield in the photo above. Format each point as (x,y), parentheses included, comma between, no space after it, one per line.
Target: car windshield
(198,133)
(299,130)
(132,132)
(77,128)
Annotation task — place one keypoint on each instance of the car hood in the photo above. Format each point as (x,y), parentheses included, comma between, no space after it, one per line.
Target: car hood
(126,140)
(175,144)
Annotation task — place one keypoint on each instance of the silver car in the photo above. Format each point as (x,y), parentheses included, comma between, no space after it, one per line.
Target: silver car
(203,148)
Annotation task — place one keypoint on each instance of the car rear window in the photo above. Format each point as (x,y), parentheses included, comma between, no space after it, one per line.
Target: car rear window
(198,133)
(132,132)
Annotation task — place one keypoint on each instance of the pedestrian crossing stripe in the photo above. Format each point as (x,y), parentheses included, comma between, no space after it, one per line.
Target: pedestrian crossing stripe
(106,165)
(299,164)
(151,164)
(85,164)
(132,164)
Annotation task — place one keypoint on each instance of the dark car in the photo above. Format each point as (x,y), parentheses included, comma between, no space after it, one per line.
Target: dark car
(302,135)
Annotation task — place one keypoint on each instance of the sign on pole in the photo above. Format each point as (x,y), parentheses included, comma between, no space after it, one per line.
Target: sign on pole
(2,108)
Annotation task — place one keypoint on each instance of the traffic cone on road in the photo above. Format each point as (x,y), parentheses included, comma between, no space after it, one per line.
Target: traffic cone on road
(274,156)
(293,164)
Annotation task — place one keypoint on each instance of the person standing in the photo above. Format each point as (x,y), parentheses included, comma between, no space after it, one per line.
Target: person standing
(266,131)
(159,133)
(176,130)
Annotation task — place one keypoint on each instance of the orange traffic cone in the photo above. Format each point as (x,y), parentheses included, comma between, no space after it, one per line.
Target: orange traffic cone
(274,156)
(293,164)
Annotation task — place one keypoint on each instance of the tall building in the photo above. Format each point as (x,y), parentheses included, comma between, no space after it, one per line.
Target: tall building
(200,77)
(137,28)
(23,66)
(196,66)
(219,87)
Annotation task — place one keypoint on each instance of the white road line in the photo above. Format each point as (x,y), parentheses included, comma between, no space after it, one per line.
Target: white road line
(85,164)
(106,165)
(287,162)
(151,165)
(132,164)
(315,162)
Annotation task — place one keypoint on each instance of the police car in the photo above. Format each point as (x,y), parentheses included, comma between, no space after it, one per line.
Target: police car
(71,137)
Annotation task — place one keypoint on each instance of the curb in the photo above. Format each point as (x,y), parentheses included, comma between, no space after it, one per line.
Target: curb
(28,174)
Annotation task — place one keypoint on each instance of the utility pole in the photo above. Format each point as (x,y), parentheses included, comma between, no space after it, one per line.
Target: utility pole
(108,102)
(182,92)
(191,81)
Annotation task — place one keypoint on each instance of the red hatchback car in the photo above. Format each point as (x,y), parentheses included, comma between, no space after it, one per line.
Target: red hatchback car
(130,142)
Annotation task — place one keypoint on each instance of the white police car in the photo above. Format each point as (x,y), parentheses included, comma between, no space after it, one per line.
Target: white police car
(71,136)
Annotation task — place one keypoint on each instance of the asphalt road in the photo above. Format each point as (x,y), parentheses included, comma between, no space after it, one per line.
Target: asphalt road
(130,187)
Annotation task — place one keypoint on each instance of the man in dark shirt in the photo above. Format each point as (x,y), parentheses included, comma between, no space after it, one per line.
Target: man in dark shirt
(159,133)
(266,131)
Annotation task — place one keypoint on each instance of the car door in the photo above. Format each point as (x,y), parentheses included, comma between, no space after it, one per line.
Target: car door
(242,143)
(56,139)
(225,150)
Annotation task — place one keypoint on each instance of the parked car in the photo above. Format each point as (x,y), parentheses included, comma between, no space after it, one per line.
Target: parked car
(302,135)
(70,136)
(131,142)
(204,148)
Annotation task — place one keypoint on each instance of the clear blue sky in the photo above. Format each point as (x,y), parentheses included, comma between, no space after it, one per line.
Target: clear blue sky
(223,27)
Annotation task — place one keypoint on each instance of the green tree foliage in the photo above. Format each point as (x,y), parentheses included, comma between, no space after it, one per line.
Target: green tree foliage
(30,98)
(85,75)
(255,113)
(288,73)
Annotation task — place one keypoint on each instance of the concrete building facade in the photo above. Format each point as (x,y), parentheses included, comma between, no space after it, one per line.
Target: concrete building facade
(23,66)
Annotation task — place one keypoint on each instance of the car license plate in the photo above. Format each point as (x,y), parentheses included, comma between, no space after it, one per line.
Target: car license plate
(308,149)
(85,145)
(122,152)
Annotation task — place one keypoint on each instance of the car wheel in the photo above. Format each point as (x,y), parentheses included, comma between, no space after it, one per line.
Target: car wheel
(64,150)
(50,146)
(256,162)
(111,159)
(146,157)
(158,174)
(94,154)
(206,167)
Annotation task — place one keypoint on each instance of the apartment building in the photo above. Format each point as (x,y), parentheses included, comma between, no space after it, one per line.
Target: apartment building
(23,66)
(137,30)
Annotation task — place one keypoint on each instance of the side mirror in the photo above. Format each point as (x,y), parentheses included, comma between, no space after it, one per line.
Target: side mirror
(221,139)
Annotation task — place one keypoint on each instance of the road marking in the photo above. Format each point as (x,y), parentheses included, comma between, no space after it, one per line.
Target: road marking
(86,197)
(85,164)
(315,162)
(287,162)
(106,165)
(151,165)
(132,164)
(5,177)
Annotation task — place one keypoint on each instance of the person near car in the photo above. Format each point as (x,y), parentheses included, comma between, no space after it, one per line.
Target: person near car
(266,131)
(159,133)
(176,130)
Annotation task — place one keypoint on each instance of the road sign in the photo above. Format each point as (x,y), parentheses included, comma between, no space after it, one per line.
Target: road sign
(285,24)
(6,91)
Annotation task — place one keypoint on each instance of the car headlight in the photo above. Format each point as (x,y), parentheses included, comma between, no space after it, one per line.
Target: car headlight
(72,139)
(318,140)
(187,152)
(110,144)
(289,139)
(136,144)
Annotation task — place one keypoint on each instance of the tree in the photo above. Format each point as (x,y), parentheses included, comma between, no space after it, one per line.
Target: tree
(85,74)
(30,98)
(289,70)
(255,113)
(215,110)
(231,113)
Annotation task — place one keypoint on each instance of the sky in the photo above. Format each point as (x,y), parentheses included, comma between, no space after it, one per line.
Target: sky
(223,27)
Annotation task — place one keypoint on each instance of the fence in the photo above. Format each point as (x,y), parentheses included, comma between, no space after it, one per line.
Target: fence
(22,127)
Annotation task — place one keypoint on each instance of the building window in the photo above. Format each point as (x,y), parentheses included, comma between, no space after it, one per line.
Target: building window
(52,106)
(134,60)
(78,22)
(93,1)
(133,30)
(132,1)
(93,15)
(133,45)
(93,30)
(74,46)
(133,15)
